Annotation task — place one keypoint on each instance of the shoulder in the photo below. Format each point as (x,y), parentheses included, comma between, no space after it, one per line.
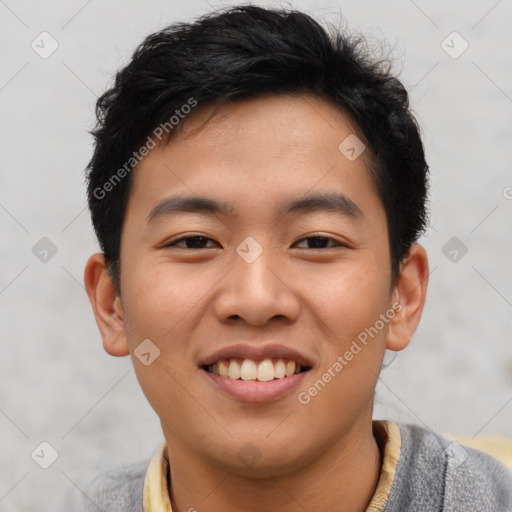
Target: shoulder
(434,473)
(118,490)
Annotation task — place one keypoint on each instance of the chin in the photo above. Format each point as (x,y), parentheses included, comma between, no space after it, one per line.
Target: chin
(261,458)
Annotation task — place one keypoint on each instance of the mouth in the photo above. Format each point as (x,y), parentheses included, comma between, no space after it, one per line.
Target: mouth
(264,370)
(255,374)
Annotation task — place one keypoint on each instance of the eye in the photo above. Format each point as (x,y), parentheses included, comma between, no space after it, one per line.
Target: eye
(192,242)
(319,242)
(199,241)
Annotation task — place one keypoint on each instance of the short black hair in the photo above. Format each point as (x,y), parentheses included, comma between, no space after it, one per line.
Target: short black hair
(239,53)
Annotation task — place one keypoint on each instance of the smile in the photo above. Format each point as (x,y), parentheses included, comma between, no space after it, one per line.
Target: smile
(252,370)
(255,373)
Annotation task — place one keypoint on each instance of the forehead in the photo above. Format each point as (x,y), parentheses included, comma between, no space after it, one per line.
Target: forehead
(268,149)
(299,123)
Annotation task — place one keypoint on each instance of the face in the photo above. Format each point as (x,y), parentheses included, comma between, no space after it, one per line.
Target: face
(256,300)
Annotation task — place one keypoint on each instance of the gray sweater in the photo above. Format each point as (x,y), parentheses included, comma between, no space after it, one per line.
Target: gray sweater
(432,474)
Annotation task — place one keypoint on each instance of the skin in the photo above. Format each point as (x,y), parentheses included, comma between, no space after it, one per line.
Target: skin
(190,302)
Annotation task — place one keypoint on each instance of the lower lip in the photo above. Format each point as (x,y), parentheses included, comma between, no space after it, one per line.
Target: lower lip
(254,390)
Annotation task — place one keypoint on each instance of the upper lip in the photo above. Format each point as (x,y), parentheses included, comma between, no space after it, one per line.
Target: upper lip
(258,352)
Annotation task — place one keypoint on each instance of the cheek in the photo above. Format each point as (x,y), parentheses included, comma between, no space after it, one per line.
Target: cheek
(160,306)
(157,300)
(348,308)
(157,304)
(348,299)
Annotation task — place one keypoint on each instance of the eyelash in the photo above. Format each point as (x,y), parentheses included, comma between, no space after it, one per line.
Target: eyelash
(329,239)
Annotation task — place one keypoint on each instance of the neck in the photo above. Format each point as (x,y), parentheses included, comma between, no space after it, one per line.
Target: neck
(345,475)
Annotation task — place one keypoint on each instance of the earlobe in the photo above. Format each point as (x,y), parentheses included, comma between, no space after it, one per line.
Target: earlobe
(409,293)
(106,306)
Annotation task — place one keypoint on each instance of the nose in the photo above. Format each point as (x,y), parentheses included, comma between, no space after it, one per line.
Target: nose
(257,291)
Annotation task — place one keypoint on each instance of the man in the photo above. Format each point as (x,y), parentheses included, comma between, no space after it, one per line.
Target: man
(258,188)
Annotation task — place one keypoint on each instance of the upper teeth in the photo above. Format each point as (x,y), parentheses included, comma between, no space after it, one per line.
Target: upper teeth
(247,369)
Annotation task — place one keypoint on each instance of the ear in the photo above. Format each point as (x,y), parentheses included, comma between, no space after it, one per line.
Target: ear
(410,293)
(106,305)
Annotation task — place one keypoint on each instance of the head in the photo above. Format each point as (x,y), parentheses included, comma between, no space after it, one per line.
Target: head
(290,160)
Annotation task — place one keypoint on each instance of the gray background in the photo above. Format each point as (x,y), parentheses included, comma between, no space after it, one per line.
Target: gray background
(59,386)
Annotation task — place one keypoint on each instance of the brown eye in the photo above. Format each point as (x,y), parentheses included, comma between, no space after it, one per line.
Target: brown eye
(320,242)
(191,242)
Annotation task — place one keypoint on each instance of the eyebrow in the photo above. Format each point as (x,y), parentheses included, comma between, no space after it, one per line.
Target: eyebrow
(322,201)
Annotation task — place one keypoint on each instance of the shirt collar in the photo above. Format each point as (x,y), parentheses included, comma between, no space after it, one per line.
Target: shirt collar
(156,494)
